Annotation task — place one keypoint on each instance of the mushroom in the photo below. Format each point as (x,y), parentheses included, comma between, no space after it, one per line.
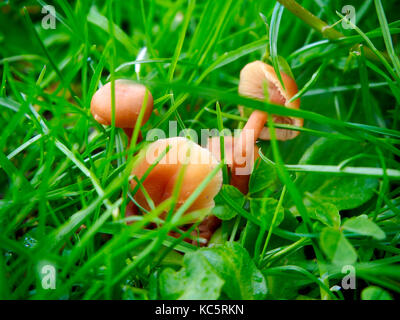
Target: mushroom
(255,78)
(129,99)
(160,182)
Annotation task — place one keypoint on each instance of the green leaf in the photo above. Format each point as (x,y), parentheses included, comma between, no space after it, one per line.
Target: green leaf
(248,237)
(264,210)
(337,248)
(197,280)
(233,264)
(375,293)
(284,66)
(264,176)
(273,38)
(345,192)
(223,211)
(326,213)
(362,225)
(387,37)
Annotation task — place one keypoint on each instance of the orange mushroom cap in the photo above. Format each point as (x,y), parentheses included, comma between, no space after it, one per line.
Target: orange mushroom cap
(160,183)
(129,98)
(253,79)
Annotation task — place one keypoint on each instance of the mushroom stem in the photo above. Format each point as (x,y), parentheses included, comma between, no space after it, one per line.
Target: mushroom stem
(240,182)
(253,128)
(244,150)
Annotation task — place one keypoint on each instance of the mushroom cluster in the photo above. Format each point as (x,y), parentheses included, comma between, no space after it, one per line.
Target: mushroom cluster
(183,154)
(258,80)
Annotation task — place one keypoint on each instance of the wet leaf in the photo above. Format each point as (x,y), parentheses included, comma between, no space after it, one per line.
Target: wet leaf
(337,248)
(233,264)
(362,225)
(197,280)
(326,213)
(375,293)
(345,192)
(264,209)
(222,210)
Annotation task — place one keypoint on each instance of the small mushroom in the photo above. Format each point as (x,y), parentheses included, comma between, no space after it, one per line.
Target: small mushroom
(129,99)
(160,182)
(255,78)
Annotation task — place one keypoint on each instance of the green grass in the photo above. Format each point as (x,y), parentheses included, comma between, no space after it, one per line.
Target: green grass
(326,199)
